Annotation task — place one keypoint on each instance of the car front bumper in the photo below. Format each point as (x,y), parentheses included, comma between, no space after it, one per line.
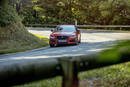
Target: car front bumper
(55,41)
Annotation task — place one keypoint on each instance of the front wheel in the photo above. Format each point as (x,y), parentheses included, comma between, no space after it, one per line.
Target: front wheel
(77,42)
(79,39)
(51,45)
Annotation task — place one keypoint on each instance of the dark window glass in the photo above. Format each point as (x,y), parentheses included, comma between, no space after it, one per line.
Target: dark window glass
(65,28)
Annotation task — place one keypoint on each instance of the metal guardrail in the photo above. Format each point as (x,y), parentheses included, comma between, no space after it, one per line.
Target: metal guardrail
(122,26)
(68,67)
(81,26)
(40,25)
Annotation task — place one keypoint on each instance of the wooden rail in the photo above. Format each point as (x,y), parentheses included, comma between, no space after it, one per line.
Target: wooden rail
(81,26)
(113,26)
(68,67)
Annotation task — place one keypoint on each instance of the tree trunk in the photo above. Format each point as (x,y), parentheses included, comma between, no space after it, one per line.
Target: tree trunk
(3,3)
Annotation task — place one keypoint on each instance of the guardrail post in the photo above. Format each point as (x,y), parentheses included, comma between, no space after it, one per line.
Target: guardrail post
(70,72)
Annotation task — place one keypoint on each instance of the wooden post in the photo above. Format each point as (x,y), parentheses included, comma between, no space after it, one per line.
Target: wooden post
(70,72)
(76,23)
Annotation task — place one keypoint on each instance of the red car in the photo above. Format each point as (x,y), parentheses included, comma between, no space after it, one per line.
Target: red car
(65,34)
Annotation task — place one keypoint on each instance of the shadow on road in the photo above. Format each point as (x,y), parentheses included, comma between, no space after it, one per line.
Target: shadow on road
(71,50)
(56,52)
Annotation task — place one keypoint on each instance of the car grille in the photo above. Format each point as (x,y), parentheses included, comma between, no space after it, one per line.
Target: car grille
(72,40)
(62,37)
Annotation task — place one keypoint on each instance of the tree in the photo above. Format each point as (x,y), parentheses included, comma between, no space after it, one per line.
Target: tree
(13,34)
(100,12)
(3,3)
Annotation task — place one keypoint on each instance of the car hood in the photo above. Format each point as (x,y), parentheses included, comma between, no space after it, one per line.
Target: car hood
(64,33)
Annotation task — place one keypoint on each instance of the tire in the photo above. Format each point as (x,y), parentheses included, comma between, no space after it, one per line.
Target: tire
(79,39)
(77,43)
(51,45)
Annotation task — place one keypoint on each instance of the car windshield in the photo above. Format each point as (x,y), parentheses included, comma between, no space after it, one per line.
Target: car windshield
(65,28)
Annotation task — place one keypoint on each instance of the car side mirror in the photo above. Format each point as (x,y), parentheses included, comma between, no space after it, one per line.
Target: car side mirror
(78,31)
(52,30)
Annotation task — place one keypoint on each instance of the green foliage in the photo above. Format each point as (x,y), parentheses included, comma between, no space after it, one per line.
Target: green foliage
(113,55)
(8,16)
(99,12)
(113,76)
(109,56)
(34,41)
(52,82)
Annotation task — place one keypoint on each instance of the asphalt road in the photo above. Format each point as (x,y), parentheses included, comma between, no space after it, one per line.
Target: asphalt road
(91,42)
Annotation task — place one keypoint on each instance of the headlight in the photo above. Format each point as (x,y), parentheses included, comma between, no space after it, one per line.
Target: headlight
(52,36)
(73,36)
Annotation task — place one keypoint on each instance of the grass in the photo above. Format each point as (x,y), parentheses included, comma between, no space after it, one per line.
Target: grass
(111,76)
(13,46)
(14,37)
(39,36)
(52,82)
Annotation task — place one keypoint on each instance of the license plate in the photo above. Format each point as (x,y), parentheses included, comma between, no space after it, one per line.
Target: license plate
(62,41)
